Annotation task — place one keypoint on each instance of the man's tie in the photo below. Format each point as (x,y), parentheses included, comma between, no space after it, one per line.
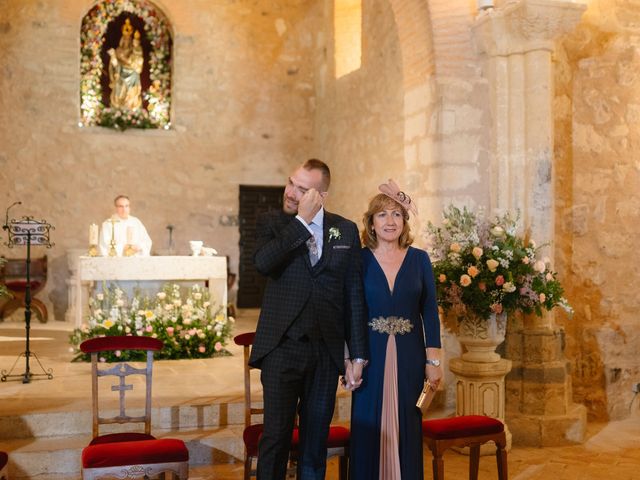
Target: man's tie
(313,250)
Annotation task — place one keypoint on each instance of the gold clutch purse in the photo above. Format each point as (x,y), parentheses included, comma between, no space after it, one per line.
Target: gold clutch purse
(426,396)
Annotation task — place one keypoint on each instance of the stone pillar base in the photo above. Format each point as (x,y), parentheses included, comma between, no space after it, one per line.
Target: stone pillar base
(550,430)
(539,404)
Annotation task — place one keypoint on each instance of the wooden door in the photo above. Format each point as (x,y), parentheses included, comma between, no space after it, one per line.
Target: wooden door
(254,200)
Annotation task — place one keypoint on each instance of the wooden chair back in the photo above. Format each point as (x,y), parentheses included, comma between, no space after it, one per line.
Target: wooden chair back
(122,370)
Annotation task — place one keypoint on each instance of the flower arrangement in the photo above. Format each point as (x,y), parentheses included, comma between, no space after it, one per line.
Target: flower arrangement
(482,267)
(121,119)
(189,326)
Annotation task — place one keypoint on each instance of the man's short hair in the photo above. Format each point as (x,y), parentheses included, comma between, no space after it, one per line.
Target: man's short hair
(115,200)
(315,164)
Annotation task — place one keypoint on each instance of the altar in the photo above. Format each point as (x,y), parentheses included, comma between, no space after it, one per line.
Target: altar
(85,269)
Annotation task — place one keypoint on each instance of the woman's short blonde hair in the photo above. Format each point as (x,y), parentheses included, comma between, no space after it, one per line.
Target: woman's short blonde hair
(377,204)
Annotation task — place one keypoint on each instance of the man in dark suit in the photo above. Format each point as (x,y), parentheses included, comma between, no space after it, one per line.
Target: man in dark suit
(313,306)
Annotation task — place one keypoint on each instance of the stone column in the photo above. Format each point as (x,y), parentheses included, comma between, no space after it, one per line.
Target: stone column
(516,41)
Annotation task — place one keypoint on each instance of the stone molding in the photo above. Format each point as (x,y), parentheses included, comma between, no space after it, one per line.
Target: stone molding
(525,25)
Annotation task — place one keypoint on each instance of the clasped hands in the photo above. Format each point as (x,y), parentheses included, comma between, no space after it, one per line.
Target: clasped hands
(352,378)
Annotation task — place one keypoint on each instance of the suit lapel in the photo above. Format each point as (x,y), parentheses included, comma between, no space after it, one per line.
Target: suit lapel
(328,222)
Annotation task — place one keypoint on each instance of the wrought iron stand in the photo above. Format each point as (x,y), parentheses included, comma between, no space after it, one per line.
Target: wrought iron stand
(26,232)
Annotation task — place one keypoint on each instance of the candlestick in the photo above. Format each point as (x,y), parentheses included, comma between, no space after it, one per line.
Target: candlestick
(112,245)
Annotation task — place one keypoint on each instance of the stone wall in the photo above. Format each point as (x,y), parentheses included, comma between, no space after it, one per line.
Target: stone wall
(242,114)
(597,110)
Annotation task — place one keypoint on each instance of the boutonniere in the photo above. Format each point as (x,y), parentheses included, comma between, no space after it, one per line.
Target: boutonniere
(334,233)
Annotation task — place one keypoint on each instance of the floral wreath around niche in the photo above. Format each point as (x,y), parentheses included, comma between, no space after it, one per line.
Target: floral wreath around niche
(158,96)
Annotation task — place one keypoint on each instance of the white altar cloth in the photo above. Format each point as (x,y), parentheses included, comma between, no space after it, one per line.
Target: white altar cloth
(213,269)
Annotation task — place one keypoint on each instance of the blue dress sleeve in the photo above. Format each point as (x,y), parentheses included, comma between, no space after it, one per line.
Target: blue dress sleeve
(429,304)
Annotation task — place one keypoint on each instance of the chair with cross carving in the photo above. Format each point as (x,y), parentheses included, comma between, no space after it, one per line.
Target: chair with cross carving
(127,454)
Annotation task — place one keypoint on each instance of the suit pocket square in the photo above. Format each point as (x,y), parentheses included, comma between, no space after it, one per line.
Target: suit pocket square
(341,247)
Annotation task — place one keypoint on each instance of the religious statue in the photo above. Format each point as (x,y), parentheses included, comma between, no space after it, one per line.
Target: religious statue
(125,67)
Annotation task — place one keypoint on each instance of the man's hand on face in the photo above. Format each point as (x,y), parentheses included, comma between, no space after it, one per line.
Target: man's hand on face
(309,204)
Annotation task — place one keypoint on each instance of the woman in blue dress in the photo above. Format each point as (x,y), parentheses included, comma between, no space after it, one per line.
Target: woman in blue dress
(386,425)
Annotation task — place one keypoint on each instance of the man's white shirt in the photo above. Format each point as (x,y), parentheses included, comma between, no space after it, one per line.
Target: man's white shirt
(139,236)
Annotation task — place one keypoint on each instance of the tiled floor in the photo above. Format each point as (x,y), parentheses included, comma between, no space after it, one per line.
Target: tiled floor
(612,452)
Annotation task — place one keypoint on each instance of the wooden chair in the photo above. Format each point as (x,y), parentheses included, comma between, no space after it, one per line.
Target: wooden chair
(4,466)
(130,454)
(14,275)
(337,442)
(465,431)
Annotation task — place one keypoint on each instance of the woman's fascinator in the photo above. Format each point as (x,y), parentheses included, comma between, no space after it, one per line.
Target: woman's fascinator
(392,190)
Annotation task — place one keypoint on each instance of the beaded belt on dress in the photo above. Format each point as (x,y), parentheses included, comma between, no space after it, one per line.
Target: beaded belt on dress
(391,325)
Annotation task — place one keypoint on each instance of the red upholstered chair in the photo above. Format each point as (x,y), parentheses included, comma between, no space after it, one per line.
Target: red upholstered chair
(337,443)
(465,431)
(14,276)
(131,454)
(4,466)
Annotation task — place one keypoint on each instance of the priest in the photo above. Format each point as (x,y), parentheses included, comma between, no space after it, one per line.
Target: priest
(128,233)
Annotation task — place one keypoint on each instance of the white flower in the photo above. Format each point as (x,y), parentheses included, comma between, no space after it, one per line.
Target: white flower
(539,266)
(497,231)
(509,287)
(334,233)
(161,295)
(100,296)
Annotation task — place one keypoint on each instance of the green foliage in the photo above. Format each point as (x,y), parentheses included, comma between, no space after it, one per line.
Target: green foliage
(189,325)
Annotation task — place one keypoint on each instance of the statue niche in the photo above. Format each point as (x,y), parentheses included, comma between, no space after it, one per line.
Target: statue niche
(125,66)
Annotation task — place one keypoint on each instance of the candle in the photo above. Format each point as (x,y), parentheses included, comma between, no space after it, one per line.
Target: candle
(93,234)
(129,235)
(485,4)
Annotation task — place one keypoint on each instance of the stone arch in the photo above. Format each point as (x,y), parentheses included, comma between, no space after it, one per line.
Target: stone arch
(96,30)
(415,34)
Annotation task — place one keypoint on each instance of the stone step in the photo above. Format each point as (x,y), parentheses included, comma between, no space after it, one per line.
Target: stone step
(59,457)
(173,418)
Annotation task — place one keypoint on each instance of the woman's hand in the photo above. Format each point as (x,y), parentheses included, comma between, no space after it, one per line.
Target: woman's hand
(348,381)
(434,375)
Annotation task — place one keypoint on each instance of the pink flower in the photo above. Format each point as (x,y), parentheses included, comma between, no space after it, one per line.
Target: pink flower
(201,349)
(465,280)
(442,278)
(482,286)
(455,247)
(477,252)
(496,308)
(117,353)
(170,331)
(218,346)
(149,328)
(542,297)
(525,260)
(499,280)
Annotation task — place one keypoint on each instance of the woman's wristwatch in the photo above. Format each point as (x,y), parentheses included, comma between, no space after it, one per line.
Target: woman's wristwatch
(433,362)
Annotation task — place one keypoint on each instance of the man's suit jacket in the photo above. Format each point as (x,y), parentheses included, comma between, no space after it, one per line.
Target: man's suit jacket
(332,290)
